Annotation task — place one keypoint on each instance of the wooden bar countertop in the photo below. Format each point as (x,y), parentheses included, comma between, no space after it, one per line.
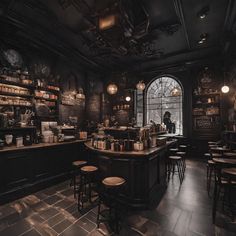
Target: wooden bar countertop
(40,145)
(144,153)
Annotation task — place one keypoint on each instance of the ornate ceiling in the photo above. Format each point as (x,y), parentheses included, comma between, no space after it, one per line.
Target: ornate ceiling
(149,33)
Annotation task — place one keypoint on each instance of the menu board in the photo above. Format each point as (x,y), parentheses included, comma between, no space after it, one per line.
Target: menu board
(93,108)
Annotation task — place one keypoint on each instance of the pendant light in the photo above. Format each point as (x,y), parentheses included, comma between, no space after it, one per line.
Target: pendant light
(128,98)
(80,94)
(225,88)
(140,85)
(112,88)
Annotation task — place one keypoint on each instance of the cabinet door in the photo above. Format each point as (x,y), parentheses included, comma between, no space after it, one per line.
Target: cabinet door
(16,169)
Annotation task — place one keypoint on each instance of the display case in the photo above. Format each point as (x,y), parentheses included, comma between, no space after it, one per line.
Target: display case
(206,110)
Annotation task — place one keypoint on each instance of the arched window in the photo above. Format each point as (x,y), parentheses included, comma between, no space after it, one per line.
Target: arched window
(165,94)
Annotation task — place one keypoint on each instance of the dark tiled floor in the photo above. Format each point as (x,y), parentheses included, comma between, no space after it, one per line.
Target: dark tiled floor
(183,211)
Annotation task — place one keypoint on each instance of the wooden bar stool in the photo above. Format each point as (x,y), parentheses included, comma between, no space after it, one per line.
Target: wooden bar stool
(210,169)
(173,162)
(229,155)
(109,196)
(183,155)
(88,177)
(76,172)
(230,174)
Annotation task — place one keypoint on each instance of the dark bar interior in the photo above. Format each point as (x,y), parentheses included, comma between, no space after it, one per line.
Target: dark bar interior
(117,117)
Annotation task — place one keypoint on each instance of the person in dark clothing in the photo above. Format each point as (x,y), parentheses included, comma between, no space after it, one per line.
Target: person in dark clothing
(170,126)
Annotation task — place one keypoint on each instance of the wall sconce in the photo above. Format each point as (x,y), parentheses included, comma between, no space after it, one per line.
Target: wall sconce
(140,85)
(112,89)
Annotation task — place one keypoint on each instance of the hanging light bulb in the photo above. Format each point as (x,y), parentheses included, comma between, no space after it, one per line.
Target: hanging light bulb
(112,88)
(225,89)
(175,92)
(140,85)
(127,98)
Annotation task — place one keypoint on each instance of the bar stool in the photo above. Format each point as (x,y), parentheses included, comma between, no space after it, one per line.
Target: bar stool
(88,177)
(230,174)
(174,161)
(173,150)
(183,155)
(229,154)
(109,196)
(76,172)
(210,169)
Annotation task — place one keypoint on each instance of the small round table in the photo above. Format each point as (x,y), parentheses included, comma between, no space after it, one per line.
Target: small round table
(220,149)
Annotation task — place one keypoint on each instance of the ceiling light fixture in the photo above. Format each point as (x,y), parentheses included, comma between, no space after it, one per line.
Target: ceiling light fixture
(203,38)
(203,12)
(112,89)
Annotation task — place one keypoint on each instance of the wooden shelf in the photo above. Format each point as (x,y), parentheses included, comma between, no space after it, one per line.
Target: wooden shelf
(15,105)
(47,90)
(17,128)
(46,99)
(206,95)
(15,95)
(28,86)
(207,104)
(207,115)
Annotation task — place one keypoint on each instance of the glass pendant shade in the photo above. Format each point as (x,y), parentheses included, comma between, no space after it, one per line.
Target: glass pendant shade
(140,85)
(112,88)
(80,94)
(128,98)
(225,89)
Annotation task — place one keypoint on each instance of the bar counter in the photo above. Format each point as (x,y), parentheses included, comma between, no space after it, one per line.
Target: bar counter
(30,168)
(144,172)
(40,145)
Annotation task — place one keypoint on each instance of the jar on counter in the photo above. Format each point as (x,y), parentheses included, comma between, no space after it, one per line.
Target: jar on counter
(19,142)
(112,146)
(116,146)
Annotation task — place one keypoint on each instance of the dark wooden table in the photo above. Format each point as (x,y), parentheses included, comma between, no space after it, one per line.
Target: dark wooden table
(220,149)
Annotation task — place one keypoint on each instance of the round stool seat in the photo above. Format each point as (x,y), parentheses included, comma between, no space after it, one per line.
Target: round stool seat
(180,153)
(230,154)
(174,149)
(79,163)
(89,169)
(216,155)
(175,157)
(230,171)
(210,162)
(212,143)
(207,155)
(113,181)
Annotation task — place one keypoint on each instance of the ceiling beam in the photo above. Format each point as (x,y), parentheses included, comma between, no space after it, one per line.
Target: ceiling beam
(179,11)
(180,57)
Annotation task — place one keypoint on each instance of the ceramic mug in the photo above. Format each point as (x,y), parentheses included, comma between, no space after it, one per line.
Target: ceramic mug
(8,139)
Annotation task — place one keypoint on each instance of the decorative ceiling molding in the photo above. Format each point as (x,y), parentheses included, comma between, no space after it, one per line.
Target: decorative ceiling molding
(180,14)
